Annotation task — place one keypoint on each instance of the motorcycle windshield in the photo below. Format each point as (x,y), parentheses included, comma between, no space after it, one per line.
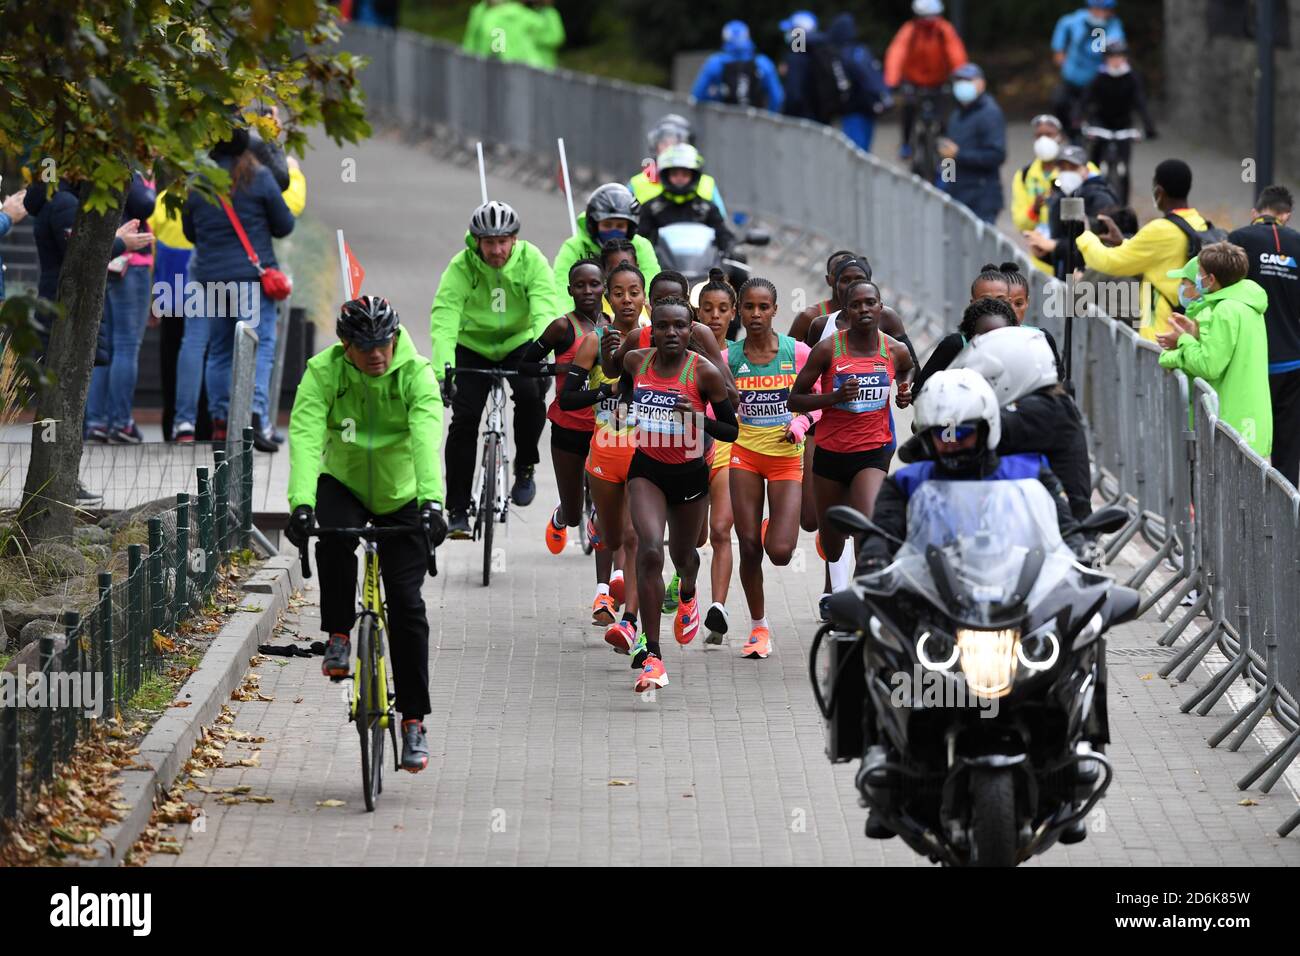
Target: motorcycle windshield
(689,246)
(984,530)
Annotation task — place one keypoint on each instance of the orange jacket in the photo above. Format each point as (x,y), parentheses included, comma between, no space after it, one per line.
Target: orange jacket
(924,52)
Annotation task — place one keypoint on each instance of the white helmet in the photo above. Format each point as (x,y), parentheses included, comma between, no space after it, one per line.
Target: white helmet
(927,8)
(955,396)
(1014,361)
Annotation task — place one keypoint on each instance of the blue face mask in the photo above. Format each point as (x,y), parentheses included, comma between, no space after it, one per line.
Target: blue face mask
(1200,284)
(605,235)
(964,91)
(1186,300)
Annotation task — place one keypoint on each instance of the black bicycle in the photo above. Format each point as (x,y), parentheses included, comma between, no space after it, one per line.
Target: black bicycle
(1114,157)
(927,127)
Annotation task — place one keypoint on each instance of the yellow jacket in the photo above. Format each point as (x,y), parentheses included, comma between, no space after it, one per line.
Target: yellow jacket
(1156,248)
(167,229)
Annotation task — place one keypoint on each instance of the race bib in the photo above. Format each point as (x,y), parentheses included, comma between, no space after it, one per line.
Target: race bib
(873,391)
(653,413)
(765,408)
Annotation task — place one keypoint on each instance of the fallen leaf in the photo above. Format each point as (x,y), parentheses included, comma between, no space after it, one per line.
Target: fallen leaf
(297,700)
(84,836)
(1248,803)
(180,703)
(331,803)
(1146,676)
(262,799)
(620,783)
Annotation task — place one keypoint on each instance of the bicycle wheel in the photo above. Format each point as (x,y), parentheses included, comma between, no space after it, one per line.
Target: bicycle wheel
(376,725)
(488,512)
(362,718)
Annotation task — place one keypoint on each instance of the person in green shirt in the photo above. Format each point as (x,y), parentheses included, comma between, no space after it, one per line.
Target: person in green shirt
(494,299)
(612,213)
(1226,342)
(515,32)
(363,447)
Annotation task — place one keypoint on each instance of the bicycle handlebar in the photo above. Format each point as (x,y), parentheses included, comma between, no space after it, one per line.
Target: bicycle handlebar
(1102,132)
(369,532)
(449,372)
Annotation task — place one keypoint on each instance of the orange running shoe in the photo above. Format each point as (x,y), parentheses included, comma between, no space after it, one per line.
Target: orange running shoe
(556,538)
(603,610)
(686,622)
(652,675)
(620,636)
(820,553)
(616,587)
(593,535)
(759,643)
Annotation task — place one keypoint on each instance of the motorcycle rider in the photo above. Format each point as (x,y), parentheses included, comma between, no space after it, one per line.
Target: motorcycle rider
(612,213)
(671,130)
(681,170)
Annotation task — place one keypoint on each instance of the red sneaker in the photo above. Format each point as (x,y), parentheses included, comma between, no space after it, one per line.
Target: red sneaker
(653,675)
(620,636)
(686,622)
(616,587)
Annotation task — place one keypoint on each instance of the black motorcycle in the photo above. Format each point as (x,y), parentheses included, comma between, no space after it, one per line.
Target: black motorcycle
(969,674)
(691,248)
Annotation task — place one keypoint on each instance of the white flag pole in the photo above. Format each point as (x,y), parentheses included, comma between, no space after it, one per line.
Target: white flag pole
(568,186)
(482,173)
(343,267)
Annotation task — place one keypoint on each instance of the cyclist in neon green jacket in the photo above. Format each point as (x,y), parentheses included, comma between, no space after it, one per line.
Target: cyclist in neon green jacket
(612,213)
(363,445)
(494,299)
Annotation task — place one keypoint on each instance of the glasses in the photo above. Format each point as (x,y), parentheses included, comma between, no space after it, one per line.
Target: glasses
(953,433)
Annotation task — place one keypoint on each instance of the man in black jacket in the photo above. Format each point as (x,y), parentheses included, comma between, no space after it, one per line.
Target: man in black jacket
(1274,250)
(1075,179)
(1110,102)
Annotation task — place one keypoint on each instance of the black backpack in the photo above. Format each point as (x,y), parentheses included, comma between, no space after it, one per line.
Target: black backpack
(1197,238)
(741,85)
(832,82)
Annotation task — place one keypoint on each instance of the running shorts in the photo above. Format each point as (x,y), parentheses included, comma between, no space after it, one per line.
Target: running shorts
(680,483)
(844,466)
(771,467)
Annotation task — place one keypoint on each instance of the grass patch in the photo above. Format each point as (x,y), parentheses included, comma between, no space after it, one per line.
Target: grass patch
(154,694)
(4,659)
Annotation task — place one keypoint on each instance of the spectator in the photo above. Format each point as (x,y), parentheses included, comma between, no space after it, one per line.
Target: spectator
(11,213)
(1078,53)
(923,54)
(801,37)
(1110,101)
(1032,183)
(739,75)
(862,91)
(1227,343)
(126,313)
(1273,250)
(1074,178)
(219,257)
(1158,247)
(375,13)
(550,34)
(515,32)
(976,141)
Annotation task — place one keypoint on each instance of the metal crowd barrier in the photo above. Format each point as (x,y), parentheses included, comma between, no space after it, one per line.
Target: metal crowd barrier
(1216,516)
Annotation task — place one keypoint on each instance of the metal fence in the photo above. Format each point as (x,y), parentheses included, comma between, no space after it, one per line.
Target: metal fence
(1213,511)
(118,642)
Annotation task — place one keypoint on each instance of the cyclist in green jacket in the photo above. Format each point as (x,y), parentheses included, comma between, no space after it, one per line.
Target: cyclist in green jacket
(363,441)
(494,299)
(612,214)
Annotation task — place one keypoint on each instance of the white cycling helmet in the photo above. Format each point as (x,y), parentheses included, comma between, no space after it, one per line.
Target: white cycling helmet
(1014,361)
(927,8)
(957,396)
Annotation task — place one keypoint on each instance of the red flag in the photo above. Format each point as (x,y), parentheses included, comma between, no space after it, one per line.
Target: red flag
(356,274)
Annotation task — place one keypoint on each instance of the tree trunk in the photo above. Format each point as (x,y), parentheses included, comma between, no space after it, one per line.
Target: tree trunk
(50,494)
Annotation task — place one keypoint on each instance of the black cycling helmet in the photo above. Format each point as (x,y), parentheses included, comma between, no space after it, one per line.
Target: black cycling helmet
(494,219)
(367,321)
(613,201)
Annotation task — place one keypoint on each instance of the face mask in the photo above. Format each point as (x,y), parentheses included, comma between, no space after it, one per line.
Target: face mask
(1069,182)
(1186,300)
(605,235)
(964,91)
(1117,70)
(1046,148)
(1201,283)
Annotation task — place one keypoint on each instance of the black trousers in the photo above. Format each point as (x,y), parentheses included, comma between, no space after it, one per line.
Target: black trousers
(1285,388)
(403,563)
(467,411)
(1066,106)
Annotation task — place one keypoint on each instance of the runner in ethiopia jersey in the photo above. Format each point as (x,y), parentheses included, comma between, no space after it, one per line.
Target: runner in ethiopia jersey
(668,479)
(856,367)
(586,386)
(768,454)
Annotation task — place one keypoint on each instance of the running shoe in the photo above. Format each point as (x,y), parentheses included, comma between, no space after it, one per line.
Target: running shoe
(640,650)
(686,622)
(556,537)
(130,435)
(338,657)
(653,675)
(621,636)
(672,595)
(97,434)
(759,643)
(415,746)
(716,621)
(593,535)
(183,432)
(616,587)
(458,526)
(525,488)
(603,610)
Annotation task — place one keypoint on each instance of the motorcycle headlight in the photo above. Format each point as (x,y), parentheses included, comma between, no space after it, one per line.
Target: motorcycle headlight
(1040,649)
(936,650)
(988,660)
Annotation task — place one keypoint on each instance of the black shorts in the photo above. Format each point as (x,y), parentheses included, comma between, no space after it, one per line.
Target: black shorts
(570,440)
(679,483)
(842,466)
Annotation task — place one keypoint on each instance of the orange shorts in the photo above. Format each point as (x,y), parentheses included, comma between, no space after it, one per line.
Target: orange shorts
(771,467)
(610,456)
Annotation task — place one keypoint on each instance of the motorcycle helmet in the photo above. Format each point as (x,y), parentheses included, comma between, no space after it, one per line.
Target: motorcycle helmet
(1014,361)
(367,321)
(683,156)
(494,219)
(669,131)
(956,399)
(612,201)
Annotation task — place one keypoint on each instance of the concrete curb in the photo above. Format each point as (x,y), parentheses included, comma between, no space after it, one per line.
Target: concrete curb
(168,745)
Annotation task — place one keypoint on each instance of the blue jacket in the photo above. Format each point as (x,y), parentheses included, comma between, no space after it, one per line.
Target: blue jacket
(5,225)
(864,69)
(798,80)
(219,255)
(708,84)
(1073,36)
(980,132)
